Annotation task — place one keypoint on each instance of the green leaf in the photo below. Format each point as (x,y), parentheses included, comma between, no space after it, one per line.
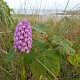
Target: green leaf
(64,44)
(38,70)
(52,54)
(78,56)
(51,59)
(40,27)
(52,65)
(39,45)
(47,61)
(72,59)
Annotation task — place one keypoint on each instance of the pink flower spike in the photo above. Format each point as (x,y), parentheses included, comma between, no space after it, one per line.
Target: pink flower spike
(27,51)
(22,32)
(26,40)
(26,30)
(26,48)
(24,44)
(15,47)
(20,29)
(29,42)
(17,43)
(16,38)
(22,50)
(20,42)
(23,27)
(29,46)
(19,47)
(29,33)
(18,34)
(23,36)
(29,38)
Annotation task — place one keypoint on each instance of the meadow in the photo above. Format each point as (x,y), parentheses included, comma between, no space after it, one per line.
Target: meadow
(55,53)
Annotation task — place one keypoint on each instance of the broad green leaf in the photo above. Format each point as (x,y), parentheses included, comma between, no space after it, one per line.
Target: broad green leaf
(40,27)
(78,56)
(38,70)
(48,61)
(51,59)
(67,49)
(39,45)
(52,65)
(72,59)
(69,42)
(64,44)
(52,54)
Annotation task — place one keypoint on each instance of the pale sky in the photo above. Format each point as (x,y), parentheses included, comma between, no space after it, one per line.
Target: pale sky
(43,4)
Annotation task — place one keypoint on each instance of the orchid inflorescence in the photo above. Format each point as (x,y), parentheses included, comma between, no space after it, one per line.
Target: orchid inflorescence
(23,36)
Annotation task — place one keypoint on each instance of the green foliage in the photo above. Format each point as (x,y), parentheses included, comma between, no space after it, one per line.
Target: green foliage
(53,57)
(5,16)
(28,58)
(50,58)
(40,54)
(64,44)
(47,63)
(75,59)
(40,27)
(38,70)
(37,44)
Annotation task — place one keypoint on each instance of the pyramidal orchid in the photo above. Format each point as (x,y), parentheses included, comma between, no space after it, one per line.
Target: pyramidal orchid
(23,36)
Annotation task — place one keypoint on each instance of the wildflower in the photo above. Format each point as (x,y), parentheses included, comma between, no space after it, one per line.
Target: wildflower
(23,37)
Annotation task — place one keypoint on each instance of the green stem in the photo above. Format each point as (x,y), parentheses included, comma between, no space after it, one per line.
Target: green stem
(23,70)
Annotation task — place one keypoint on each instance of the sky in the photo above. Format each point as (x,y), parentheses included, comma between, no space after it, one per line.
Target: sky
(43,4)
